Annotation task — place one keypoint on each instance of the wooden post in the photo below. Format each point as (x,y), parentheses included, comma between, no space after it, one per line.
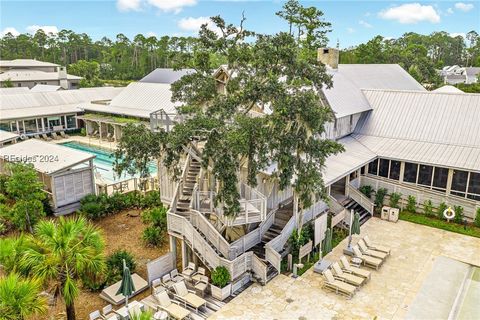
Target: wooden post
(184,255)
(290,262)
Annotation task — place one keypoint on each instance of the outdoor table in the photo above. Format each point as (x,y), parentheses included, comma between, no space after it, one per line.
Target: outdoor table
(160,315)
(321,266)
(356,262)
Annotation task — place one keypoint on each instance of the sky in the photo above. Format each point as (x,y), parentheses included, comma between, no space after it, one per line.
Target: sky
(353,22)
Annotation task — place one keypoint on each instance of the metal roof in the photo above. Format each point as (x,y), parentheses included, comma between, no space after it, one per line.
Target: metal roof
(32,75)
(165,75)
(45,88)
(7,136)
(139,99)
(428,127)
(448,89)
(14,90)
(345,97)
(46,157)
(26,63)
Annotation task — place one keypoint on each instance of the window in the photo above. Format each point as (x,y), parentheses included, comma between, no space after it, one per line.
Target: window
(394,170)
(14,126)
(39,124)
(373,167)
(474,186)
(19,84)
(45,124)
(30,126)
(5,125)
(425,175)
(71,122)
(20,127)
(362,170)
(440,177)
(459,183)
(383,168)
(62,119)
(410,174)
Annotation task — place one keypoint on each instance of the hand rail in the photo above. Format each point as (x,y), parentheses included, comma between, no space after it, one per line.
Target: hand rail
(334,205)
(361,199)
(259,268)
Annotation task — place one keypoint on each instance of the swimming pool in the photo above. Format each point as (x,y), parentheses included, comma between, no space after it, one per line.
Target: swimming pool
(103,161)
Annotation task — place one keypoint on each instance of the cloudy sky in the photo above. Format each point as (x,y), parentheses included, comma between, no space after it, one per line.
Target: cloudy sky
(353,21)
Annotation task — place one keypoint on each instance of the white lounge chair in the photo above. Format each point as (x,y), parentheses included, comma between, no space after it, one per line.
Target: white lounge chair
(55,136)
(171,306)
(347,277)
(64,135)
(375,246)
(95,315)
(347,267)
(108,313)
(197,275)
(337,286)
(45,137)
(167,281)
(369,252)
(368,261)
(176,276)
(189,270)
(187,296)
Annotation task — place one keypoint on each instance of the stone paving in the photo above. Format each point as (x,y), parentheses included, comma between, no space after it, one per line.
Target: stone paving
(386,296)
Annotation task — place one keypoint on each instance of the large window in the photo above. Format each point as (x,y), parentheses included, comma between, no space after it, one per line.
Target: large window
(474,186)
(440,177)
(5,125)
(373,167)
(425,175)
(71,122)
(410,174)
(459,182)
(394,170)
(383,168)
(30,126)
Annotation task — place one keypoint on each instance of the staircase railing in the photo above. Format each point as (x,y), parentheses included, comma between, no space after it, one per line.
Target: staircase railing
(334,205)
(178,191)
(259,268)
(361,199)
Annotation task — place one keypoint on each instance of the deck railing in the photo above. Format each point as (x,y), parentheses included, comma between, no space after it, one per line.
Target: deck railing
(129,185)
(361,199)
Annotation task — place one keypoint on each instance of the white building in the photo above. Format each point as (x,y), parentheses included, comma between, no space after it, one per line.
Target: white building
(29,72)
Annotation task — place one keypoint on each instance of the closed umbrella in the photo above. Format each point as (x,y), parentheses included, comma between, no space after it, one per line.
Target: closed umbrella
(127,288)
(327,243)
(354,227)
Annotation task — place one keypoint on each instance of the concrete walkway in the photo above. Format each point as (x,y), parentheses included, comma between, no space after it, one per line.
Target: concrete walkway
(388,295)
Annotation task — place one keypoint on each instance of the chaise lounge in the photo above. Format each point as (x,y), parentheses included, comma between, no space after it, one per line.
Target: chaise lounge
(347,277)
(338,286)
(187,296)
(171,306)
(368,261)
(369,252)
(347,267)
(374,246)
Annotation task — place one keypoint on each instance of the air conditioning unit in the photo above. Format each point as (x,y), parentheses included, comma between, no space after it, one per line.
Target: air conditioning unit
(385,213)
(393,214)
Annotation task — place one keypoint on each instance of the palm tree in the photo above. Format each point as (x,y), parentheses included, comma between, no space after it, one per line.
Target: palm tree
(20,298)
(61,253)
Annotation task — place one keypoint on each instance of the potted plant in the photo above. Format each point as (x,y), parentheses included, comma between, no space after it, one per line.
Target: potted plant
(221,286)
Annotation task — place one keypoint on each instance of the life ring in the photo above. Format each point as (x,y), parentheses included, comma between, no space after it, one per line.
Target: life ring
(449,213)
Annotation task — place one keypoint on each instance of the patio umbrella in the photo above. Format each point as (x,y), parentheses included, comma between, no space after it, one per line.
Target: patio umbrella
(126,287)
(354,227)
(327,242)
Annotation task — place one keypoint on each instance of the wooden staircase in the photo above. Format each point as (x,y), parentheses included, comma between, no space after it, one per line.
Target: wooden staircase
(186,193)
(350,204)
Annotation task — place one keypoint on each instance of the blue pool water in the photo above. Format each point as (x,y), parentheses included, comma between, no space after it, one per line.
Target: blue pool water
(103,161)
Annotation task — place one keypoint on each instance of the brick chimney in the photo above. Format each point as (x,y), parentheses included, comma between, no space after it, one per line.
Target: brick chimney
(329,57)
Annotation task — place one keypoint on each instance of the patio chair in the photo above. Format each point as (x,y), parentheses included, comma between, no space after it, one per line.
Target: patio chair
(187,296)
(176,276)
(167,281)
(45,137)
(197,275)
(55,136)
(110,137)
(36,136)
(347,267)
(374,246)
(108,313)
(189,270)
(346,277)
(172,307)
(373,253)
(368,261)
(156,283)
(95,315)
(201,285)
(64,135)
(95,133)
(337,286)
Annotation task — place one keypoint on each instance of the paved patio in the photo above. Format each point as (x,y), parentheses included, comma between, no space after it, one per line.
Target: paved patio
(386,296)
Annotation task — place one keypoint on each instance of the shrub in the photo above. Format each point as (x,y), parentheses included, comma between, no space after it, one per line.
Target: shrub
(3,184)
(477,218)
(411,204)
(367,190)
(83,132)
(18,213)
(115,265)
(441,207)
(93,210)
(153,236)
(380,197)
(394,199)
(458,214)
(151,199)
(220,276)
(428,207)
(3,227)
(297,240)
(157,217)
(3,198)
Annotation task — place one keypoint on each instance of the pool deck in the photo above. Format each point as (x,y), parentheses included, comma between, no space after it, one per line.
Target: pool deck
(89,141)
(388,295)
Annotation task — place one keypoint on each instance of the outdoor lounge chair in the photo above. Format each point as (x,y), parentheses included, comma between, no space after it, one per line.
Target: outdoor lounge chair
(374,246)
(36,136)
(64,135)
(167,281)
(95,315)
(156,284)
(171,306)
(336,285)
(176,276)
(347,277)
(197,275)
(369,252)
(55,136)
(368,261)
(347,267)
(108,313)
(189,270)
(45,137)
(201,285)
(187,296)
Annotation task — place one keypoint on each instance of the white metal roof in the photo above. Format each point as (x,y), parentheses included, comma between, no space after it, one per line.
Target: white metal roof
(448,89)
(45,88)
(345,97)
(32,104)
(32,75)
(14,90)
(165,75)
(428,127)
(46,157)
(139,99)
(26,63)
(7,136)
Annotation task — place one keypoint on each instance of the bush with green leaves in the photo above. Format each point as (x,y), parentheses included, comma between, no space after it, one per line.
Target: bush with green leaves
(367,190)
(26,213)
(411,204)
(220,276)
(297,240)
(156,217)
(3,198)
(441,208)
(458,214)
(428,207)
(115,264)
(394,199)
(3,184)
(151,199)
(153,236)
(380,197)
(477,218)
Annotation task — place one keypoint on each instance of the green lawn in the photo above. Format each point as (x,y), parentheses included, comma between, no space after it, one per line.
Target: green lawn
(469,230)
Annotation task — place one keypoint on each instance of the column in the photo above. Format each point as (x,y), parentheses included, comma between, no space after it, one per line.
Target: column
(184,255)
(173,246)
(449,181)
(402,172)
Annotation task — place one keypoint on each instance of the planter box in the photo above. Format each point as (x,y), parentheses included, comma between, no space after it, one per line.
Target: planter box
(221,293)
